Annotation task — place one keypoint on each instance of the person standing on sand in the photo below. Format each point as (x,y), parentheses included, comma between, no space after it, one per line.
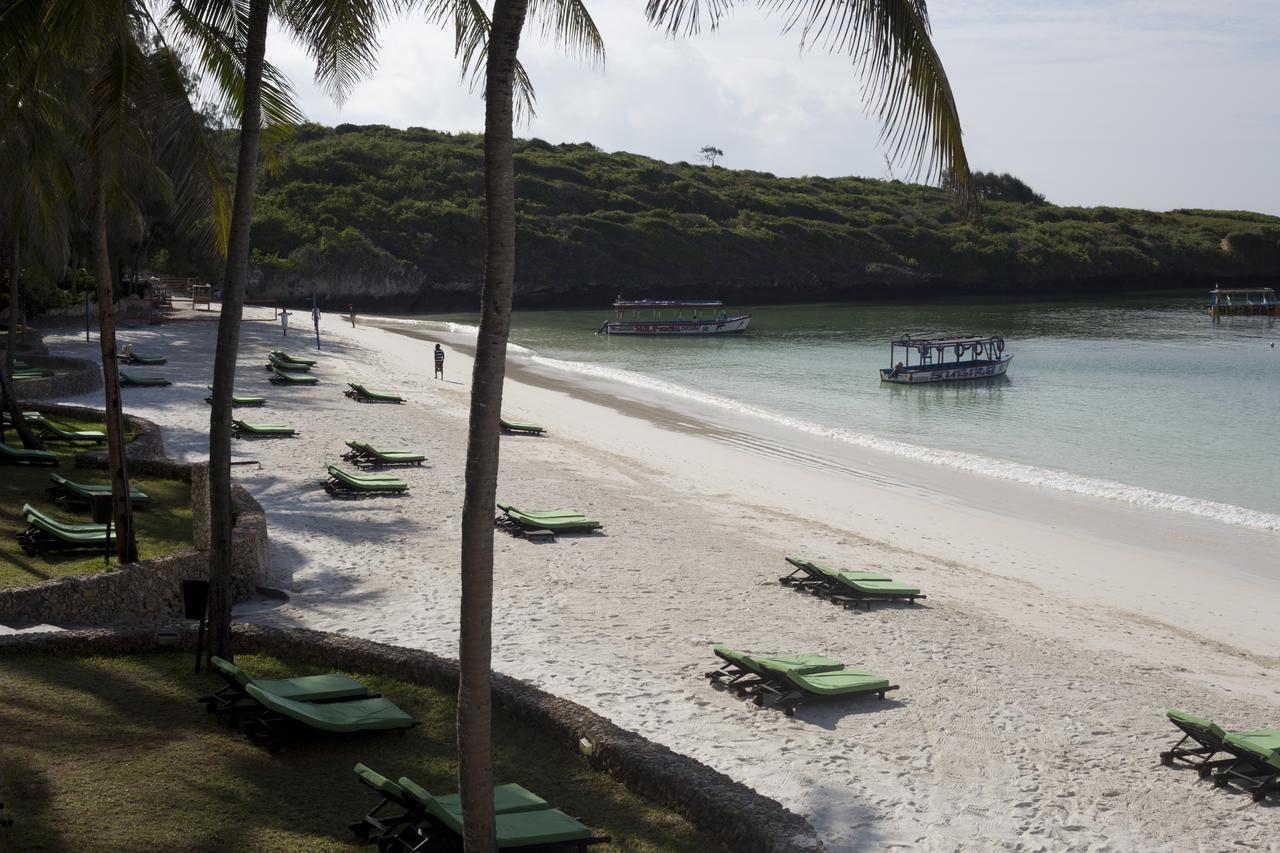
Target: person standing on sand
(439,362)
(284,322)
(351,309)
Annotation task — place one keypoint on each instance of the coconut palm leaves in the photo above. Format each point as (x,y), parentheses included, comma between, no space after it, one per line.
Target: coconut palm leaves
(905,84)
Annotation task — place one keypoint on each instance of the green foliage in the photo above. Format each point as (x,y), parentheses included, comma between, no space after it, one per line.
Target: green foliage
(365,204)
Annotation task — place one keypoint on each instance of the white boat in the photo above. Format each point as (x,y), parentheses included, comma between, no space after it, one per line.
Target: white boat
(673,317)
(946,359)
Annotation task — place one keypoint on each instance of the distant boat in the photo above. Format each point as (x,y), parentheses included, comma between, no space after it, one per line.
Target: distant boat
(672,317)
(945,359)
(1256,301)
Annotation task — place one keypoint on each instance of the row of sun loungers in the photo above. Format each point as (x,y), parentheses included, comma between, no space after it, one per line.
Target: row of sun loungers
(844,587)
(1250,759)
(786,681)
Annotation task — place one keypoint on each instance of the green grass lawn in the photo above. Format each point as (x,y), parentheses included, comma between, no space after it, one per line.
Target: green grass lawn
(112,753)
(163,526)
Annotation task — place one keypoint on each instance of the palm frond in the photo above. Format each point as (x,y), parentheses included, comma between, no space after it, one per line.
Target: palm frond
(904,82)
(341,36)
(568,25)
(471,25)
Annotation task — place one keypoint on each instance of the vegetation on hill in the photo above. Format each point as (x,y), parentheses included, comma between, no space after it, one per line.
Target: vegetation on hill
(394,218)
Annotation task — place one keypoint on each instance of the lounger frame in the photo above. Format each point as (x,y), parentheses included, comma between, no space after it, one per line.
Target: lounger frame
(782,693)
(1201,756)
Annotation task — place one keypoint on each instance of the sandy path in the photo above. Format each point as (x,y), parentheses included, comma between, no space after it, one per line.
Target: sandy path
(1033,679)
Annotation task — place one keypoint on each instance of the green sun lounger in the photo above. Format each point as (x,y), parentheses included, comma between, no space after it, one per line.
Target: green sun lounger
(149,360)
(289,366)
(284,356)
(345,484)
(554,520)
(545,513)
(1256,767)
(284,377)
(361,394)
(541,829)
(46,533)
(10,455)
(306,688)
(245,429)
(68,492)
(130,381)
(52,432)
(806,574)
(31,373)
(362,453)
(282,716)
(410,800)
(519,427)
(239,399)
(741,673)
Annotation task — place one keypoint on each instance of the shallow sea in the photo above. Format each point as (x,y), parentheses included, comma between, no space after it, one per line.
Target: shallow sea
(1143,399)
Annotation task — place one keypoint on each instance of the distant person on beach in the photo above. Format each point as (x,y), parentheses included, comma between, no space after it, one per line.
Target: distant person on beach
(284,322)
(439,362)
(351,309)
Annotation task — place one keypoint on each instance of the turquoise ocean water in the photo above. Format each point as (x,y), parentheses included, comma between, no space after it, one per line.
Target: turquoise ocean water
(1140,399)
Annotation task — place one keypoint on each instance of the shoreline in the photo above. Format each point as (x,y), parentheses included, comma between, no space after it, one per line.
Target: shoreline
(1033,679)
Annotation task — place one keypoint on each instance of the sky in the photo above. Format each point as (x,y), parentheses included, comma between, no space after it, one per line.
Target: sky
(1156,104)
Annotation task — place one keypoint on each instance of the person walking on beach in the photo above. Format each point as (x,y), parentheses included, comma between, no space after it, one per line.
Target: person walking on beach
(284,322)
(351,309)
(439,362)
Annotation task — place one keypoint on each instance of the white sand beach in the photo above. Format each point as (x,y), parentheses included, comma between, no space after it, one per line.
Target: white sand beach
(1033,679)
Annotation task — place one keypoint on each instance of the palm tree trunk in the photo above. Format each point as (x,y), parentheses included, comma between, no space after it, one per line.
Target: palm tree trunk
(122,509)
(8,399)
(224,364)
(475,733)
(15,269)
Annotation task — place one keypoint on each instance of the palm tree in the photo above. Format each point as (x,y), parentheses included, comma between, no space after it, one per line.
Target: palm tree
(141,127)
(906,82)
(342,37)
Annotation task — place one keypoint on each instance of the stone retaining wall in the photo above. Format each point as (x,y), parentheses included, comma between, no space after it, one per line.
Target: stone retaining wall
(72,377)
(150,590)
(742,819)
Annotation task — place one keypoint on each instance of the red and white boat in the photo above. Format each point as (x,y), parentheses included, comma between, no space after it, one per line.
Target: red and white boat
(673,317)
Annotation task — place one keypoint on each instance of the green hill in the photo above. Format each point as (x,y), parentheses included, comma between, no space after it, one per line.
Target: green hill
(393,220)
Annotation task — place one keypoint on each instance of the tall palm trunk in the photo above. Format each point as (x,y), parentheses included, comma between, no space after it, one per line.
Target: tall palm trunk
(224,364)
(15,269)
(122,510)
(8,399)
(475,734)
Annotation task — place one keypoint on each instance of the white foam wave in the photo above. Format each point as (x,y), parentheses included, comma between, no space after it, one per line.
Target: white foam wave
(1017,472)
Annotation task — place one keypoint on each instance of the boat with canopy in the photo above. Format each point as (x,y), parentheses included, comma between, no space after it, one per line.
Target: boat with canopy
(950,359)
(1243,302)
(673,317)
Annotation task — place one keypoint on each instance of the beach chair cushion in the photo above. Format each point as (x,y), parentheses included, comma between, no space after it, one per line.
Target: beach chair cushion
(385,396)
(303,688)
(1263,745)
(553,520)
(805,661)
(380,783)
(368,482)
(136,358)
(831,572)
(543,513)
(34,516)
(876,587)
(1185,721)
(507,799)
(519,426)
(284,356)
(87,491)
(356,715)
(264,429)
(838,682)
(21,456)
(292,378)
(150,381)
(517,829)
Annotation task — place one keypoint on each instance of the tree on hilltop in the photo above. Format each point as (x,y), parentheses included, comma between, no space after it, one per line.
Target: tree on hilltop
(710,153)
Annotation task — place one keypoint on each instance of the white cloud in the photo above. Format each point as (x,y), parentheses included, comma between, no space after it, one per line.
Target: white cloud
(1144,103)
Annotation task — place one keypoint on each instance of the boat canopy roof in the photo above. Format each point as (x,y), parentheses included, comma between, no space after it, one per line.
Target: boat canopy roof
(668,303)
(963,340)
(1243,290)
